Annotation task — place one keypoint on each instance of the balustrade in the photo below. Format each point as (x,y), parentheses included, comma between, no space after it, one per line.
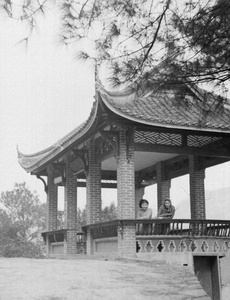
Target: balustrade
(175,227)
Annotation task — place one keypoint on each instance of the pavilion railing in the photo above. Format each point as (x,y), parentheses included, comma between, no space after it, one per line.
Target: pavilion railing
(153,227)
(102,229)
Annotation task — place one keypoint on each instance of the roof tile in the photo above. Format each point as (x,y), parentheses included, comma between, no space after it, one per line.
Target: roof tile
(169,107)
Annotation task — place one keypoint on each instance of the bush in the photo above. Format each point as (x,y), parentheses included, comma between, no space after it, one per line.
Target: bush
(28,250)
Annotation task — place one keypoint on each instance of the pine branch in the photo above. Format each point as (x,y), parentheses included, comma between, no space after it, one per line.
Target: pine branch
(156,34)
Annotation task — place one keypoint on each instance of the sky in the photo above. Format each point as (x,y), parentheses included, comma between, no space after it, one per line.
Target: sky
(45,93)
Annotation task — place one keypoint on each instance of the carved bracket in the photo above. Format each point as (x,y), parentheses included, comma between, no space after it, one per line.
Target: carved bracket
(113,138)
(44,182)
(60,168)
(84,157)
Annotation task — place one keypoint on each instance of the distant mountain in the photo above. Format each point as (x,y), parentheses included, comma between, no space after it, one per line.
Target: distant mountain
(217,205)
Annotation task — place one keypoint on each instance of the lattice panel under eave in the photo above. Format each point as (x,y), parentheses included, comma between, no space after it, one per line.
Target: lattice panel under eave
(158,138)
(201,141)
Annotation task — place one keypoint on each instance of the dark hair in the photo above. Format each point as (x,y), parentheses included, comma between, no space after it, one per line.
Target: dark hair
(168,199)
(143,201)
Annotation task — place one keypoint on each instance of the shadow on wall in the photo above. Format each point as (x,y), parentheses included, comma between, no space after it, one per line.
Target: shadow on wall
(225,276)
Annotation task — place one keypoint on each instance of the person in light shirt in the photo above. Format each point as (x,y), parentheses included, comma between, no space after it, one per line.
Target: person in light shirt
(144,213)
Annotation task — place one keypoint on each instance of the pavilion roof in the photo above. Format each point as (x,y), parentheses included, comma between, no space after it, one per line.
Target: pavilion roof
(31,162)
(174,106)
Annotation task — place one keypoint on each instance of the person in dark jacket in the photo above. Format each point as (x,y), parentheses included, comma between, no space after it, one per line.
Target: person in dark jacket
(166,211)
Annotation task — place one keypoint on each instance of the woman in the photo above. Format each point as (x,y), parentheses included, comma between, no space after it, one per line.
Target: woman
(144,213)
(166,211)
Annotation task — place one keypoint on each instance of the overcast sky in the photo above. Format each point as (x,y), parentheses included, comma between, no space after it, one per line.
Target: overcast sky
(44,94)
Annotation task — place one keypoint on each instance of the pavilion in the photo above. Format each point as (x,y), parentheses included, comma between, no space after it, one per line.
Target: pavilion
(134,138)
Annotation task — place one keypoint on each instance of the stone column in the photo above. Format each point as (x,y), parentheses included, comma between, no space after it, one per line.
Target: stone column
(93,194)
(197,189)
(163,186)
(126,193)
(52,201)
(70,211)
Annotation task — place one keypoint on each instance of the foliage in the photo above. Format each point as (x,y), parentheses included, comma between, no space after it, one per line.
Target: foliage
(18,249)
(81,218)
(108,213)
(205,29)
(22,219)
(180,40)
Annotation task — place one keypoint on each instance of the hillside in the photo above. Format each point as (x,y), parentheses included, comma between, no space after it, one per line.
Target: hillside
(94,279)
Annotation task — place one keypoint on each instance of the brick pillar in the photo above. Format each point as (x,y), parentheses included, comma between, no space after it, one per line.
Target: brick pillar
(52,206)
(126,194)
(163,186)
(93,194)
(139,193)
(52,201)
(70,211)
(197,189)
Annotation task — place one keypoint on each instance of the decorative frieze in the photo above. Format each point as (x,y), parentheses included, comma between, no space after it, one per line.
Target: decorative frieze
(196,245)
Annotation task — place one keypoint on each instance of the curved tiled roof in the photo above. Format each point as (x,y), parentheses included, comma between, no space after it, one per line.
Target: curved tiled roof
(32,161)
(171,107)
(166,108)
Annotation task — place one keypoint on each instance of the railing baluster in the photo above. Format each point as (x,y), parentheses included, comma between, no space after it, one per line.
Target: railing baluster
(214,228)
(209,229)
(189,229)
(219,230)
(202,228)
(151,228)
(225,230)
(181,227)
(173,229)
